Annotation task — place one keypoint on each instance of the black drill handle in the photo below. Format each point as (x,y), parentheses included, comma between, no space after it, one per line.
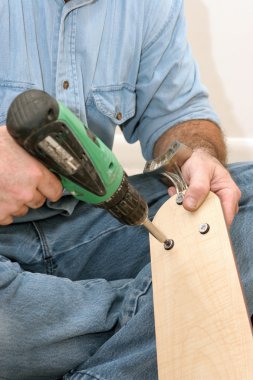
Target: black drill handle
(30,111)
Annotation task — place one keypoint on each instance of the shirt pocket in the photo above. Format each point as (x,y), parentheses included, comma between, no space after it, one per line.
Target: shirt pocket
(8,91)
(116,102)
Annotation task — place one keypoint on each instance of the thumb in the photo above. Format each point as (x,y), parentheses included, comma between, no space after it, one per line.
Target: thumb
(199,187)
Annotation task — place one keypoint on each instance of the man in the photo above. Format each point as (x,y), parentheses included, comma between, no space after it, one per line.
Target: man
(75,284)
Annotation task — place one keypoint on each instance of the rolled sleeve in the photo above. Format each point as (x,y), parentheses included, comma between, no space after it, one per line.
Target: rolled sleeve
(168,89)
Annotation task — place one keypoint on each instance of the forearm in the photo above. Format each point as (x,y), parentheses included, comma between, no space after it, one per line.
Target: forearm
(197,134)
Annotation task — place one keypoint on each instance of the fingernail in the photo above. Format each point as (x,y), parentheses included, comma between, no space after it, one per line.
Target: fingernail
(191,202)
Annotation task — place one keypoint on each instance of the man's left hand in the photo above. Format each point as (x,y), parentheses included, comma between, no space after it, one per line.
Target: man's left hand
(204,173)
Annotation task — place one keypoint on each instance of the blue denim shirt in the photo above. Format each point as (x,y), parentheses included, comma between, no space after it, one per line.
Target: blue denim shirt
(127,63)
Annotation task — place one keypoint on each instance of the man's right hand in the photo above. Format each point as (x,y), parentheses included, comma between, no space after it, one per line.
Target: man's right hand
(24,182)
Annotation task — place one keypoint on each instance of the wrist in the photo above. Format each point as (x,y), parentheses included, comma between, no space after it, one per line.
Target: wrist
(197,135)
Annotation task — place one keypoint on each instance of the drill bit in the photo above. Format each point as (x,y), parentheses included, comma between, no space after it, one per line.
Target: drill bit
(159,235)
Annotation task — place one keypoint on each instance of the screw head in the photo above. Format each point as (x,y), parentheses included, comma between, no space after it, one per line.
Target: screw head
(204,228)
(168,244)
(180,198)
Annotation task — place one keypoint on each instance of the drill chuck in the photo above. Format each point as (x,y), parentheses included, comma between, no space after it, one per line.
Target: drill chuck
(130,208)
(126,204)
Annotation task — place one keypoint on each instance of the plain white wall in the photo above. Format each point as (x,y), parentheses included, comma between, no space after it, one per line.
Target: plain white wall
(220,33)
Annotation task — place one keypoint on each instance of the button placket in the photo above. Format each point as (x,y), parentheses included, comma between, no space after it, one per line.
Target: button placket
(67,89)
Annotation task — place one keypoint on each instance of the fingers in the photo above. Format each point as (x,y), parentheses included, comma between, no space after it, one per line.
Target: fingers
(7,218)
(204,173)
(21,212)
(6,221)
(24,182)
(7,215)
(171,191)
(229,198)
(37,201)
(50,186)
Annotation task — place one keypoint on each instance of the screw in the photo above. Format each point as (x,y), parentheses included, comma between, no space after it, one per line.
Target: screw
(204,228)
(180,198)
(168,244)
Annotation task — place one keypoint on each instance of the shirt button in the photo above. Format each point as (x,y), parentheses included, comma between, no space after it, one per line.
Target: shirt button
(65,84)
(119,116)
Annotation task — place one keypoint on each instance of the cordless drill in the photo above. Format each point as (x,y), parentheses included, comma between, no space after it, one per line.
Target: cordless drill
(88,169)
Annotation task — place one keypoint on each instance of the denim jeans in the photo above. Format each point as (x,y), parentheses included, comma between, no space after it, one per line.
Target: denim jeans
(76,295)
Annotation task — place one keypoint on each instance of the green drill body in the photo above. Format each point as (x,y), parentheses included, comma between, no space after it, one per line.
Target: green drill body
(86,166)
(104,161)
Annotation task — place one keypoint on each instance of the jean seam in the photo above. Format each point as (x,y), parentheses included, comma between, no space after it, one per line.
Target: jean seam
(132,304)
(146,284)
(95,237)
(78,375)
(46,253)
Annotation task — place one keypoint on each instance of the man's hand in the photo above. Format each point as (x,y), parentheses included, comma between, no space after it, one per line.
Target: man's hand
(24,182)
(204,170)
(203,173)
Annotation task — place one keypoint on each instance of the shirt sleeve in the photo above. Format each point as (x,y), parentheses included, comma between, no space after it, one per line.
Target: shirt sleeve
(168,88)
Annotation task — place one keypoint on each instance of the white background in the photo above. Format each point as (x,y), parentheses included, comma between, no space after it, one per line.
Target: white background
(221,35)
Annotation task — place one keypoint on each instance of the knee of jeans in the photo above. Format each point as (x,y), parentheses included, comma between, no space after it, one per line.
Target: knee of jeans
(12,348)
(12,335)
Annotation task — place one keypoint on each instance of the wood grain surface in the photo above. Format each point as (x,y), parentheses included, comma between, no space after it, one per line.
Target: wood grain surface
(202,326)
